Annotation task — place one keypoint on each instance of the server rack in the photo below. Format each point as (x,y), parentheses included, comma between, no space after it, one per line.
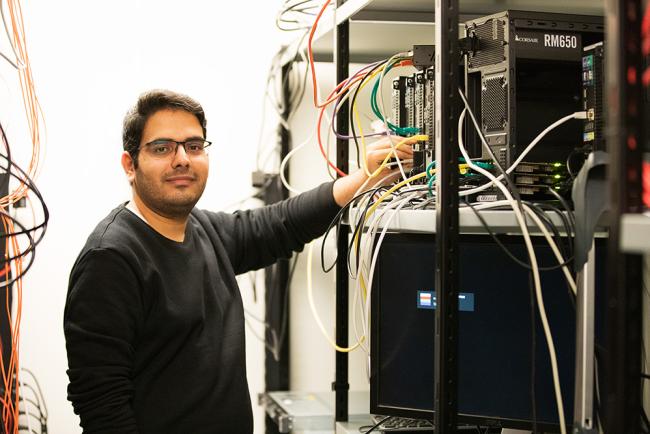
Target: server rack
(624,132)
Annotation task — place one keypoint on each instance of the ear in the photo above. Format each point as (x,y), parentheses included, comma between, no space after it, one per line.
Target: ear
(128,166)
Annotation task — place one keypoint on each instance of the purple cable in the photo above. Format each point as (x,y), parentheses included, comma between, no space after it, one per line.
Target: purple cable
(336,104)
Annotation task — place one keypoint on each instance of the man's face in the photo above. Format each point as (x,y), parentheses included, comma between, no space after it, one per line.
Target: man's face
(171,185)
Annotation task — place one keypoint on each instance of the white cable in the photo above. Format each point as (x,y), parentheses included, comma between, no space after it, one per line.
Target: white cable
(400,203)
(547,235)
(533,143)
(553,246)
(354,214)
(27,415)
(312,305)
(364,256)
(358,305)
(365,251)
(39,396)
(533,263)
(286,159)
(367,246)
(358,300)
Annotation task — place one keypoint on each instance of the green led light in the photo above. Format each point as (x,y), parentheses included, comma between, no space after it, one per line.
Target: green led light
(558,176)
(557,164)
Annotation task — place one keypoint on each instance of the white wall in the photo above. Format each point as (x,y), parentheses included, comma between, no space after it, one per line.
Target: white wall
(90,61)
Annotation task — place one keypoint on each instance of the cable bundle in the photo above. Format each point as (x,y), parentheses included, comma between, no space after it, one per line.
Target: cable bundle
(33,411)
(20,240)
(375,207)
(296,15)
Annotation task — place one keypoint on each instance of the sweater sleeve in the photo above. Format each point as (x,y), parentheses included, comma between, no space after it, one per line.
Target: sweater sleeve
(259,237)
(102,312)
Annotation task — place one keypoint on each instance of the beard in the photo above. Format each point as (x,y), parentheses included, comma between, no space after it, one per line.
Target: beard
(168,200)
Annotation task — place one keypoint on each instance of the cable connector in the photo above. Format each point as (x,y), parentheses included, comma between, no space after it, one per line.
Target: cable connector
(580,115)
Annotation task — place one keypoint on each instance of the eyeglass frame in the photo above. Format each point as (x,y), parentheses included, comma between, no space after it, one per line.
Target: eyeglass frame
(177,143)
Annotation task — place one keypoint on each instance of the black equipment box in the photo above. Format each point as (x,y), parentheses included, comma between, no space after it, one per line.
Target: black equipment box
(526,74)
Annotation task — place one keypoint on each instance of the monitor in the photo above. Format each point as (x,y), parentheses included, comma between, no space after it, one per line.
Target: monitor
(495,334)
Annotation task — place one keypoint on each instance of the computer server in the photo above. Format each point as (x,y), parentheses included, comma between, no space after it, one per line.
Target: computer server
(593,60)
(526,74)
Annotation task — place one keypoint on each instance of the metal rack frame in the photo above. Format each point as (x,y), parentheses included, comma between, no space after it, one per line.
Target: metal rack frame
(340,384)
(624,119)
(276,373)
(624,106)
(447,268)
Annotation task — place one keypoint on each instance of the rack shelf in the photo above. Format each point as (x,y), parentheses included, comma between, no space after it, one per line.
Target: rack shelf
(424,221)
(380,28)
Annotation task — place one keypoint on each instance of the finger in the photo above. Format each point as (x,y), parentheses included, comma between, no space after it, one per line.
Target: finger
(380,155)
(390,142)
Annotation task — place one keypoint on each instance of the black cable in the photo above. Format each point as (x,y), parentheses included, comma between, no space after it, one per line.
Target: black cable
(566,222)
(358,231)
(336,221)
(25,180)
(506,250)
(25,231)
(565,205)
(548,223)
(5,183)
(360,222)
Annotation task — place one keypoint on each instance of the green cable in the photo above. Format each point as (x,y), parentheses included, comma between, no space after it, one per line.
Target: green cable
(430,184)
(402,131)
(429,167)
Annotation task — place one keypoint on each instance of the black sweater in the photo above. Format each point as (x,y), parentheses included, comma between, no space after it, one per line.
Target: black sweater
(155,328)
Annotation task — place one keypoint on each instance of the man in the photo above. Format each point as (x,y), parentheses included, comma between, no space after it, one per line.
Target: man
(154,322)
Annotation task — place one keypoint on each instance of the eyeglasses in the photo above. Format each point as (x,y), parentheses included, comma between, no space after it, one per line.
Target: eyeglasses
(163,148)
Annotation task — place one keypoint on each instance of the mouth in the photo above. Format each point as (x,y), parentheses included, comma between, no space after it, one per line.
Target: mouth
(180,180)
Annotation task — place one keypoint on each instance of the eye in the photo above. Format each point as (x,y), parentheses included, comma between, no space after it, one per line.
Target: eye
(195,146)
(161,148)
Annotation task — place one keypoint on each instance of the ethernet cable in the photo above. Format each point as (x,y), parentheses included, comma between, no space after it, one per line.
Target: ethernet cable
(538,222)
(533,143)
(312,306)
(533,262)
(372,230)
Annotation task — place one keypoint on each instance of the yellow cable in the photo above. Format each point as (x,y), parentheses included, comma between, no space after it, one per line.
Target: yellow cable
(390,191)
(419,137)
(312,305)
(356,115)
(364,158)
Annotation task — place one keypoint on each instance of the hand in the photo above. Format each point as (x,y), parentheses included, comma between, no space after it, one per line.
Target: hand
(377,152)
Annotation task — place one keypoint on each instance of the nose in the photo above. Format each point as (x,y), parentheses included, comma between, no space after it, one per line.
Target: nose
(180,157)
